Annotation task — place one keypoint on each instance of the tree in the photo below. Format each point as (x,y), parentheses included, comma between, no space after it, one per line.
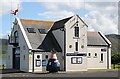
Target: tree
(115,59)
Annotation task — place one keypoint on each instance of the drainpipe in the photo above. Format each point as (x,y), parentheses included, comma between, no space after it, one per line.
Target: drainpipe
(64,49)
(33,61)
(108,57)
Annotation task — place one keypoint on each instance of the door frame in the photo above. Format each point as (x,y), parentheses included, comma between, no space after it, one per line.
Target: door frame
(14,58)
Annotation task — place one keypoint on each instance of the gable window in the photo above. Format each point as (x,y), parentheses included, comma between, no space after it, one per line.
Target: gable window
(31,30)
(76,46)
(42,31)
(76,31)
(16,36)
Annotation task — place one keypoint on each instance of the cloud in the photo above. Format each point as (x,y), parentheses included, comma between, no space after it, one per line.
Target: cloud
(102,17)
(7,6)
(5,35)
(53,6)
(58,10)
(56,14)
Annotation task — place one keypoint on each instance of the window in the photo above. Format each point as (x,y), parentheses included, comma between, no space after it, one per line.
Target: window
(38,63)
(31,30)
(38,56)
(95,54)
(16,36)
(17,50)
(76,46)
(44,63)
(101,56)
(76,31)
(76,60)
(24,57)
(42,31)
(103,50)
(46,56)
(89,54)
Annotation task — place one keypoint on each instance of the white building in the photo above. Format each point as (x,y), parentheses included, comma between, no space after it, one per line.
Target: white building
(31,41)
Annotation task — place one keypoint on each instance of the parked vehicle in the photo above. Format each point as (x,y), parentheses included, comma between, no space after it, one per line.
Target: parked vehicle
(53,65)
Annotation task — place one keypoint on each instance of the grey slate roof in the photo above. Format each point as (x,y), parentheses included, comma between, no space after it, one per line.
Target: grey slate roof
(36,38)
(60,23)
(48,41)
(94,39)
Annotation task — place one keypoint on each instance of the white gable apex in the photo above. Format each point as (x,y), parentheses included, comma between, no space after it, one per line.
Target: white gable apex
(74,20)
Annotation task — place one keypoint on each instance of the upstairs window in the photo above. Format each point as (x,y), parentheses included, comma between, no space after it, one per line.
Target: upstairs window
(76,31)
(42,31)
(16,36)
(31,30)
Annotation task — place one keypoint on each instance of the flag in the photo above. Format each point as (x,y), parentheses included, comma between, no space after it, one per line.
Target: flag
(15,12)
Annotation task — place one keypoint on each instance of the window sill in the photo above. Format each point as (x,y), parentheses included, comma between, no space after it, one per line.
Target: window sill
(95,57)
(76,37)
(101,61)
(89,57)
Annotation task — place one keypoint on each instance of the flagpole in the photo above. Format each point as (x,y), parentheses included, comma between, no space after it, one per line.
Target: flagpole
(17,9)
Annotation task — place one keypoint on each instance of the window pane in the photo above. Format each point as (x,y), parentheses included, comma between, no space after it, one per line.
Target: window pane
(38,63)
(104,50)
(76,60)
(76,46)
(31,30)
(88,54)
(95,54)
(16,36)
(79,60)
(76,31)
(101,56)
(73,60)
(42,31)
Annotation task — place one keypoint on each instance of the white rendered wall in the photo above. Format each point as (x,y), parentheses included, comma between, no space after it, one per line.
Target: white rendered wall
(95,62)
(24,63)
(44,58)
(76,67)
(9,59)
(71,39)
(37,69)
(24,51)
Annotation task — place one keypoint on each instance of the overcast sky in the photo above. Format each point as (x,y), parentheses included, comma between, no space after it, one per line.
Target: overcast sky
(99,15)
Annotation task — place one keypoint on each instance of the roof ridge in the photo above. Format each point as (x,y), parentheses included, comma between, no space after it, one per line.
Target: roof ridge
(64,19)
(35,20)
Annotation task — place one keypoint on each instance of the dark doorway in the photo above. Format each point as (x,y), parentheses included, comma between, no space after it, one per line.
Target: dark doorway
(16,58)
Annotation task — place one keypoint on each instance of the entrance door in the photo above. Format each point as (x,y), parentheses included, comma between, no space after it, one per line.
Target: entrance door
(16,58)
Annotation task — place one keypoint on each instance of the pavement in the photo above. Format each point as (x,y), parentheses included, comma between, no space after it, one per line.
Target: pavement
(89,73)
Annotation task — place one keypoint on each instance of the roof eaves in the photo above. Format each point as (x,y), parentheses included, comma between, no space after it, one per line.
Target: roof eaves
(105,39)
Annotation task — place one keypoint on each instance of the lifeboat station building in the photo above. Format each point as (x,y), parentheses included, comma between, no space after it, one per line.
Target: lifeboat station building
(31,42)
